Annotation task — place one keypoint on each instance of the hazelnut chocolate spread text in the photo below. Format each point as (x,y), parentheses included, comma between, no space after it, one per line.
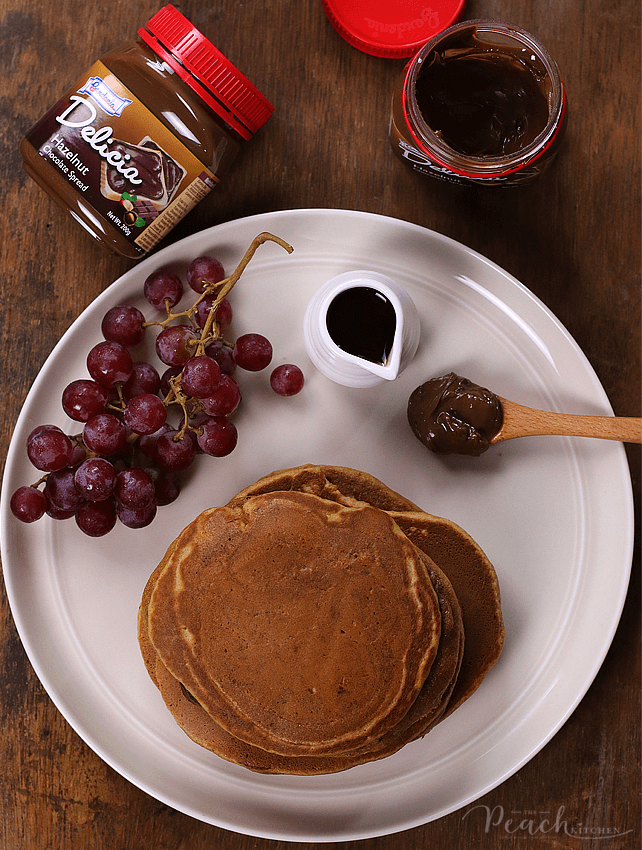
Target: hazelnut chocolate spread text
(452,415)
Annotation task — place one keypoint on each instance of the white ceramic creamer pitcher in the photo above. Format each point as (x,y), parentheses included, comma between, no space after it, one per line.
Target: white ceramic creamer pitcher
(338,348)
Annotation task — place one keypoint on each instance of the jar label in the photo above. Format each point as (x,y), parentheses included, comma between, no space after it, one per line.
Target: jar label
(114,152)
(421,162)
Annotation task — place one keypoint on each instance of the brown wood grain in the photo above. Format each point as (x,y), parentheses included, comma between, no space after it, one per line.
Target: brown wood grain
(573,239)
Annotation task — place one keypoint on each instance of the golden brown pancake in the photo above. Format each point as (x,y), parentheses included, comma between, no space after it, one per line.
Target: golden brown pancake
(445,558)
(449,546)
(301,626)
(339,484)
(434,698)
(475,583)
(424,713)
(150,656)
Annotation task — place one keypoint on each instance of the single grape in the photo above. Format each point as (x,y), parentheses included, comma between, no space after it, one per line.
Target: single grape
(173,455)
(145,413)
(192,436)
(200,376)
(95,479)
(147,443)
(204,271)
(203,309)
(225,398)
(166,486)
(222,353)
(134,488)
(58,513)
(163,286)
(110,362)
(28,504)
(39,429)
(170,372)
(83,399)
(136,517)
(144,379)
(60,490)
(223,315)
(252,352)
(196,423)
(172,344)
(96,518)
(105,434)
(123,324)
(49,448)
(78,455)
(287,380)
(218,437)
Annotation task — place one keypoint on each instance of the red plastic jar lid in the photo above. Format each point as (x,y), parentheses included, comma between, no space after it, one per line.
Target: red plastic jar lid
(391,28)
(206,71)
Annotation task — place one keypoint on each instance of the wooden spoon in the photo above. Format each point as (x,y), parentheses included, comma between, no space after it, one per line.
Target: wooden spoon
(520,421)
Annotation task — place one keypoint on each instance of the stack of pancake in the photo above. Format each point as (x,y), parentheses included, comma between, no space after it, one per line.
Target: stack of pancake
(318,621)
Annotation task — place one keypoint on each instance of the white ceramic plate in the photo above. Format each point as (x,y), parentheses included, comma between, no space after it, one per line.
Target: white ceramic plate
(553,514)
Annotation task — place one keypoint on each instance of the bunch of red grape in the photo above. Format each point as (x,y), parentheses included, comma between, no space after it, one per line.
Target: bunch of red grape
(125,462)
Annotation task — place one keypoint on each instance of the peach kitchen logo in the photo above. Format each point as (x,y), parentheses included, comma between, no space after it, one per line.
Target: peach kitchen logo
(541,823)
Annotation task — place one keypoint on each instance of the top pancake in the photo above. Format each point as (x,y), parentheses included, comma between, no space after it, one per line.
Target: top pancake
(423,714)
(301,626)
(446,544)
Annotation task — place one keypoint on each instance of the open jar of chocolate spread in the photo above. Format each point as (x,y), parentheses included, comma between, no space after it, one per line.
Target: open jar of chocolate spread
(144,135)
(481,103)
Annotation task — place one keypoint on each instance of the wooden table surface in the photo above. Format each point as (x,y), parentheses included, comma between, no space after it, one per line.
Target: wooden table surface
(573,239)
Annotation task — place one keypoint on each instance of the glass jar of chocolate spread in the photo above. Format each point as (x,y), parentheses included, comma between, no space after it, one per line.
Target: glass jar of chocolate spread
(480,103)
(144,135)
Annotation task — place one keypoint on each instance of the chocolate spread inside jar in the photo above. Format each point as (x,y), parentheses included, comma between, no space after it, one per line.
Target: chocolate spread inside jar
(481,103)
(452,415)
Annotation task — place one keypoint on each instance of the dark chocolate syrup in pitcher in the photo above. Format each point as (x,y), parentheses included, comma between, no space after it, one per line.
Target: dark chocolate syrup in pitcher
(362,322)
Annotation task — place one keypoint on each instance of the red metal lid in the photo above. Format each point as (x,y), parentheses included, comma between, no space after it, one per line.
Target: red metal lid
(207,71)
(391,28)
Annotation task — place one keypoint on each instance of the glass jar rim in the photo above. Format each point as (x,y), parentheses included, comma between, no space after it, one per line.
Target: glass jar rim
(483,166)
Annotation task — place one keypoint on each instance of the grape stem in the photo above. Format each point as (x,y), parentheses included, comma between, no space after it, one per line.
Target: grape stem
(222,287)
(205,337)
(210,330)
(177,396)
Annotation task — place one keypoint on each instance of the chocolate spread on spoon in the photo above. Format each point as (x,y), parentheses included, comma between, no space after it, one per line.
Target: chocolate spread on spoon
(451,415)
